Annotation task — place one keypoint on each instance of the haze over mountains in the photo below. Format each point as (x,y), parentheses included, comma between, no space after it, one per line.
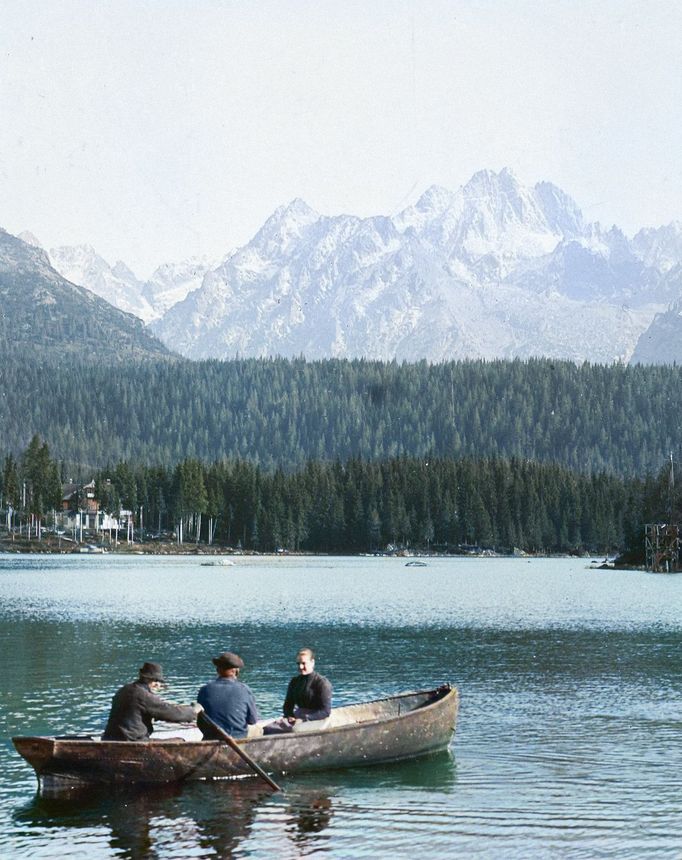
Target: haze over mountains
(119,285)
(493,270)
(43,314)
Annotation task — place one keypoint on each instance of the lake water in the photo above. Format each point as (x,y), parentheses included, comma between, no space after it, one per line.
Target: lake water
(569,740)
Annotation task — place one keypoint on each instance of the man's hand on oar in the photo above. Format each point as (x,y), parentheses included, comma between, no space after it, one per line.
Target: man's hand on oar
(231,742)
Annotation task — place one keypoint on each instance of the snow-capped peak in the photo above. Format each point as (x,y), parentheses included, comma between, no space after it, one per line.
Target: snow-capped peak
(30,239)
(300,209)
(297,212)
(494,269)
(121,270)
(560,210)
(488,182)
(170,283)
(435,200)
(82,265)
(660,246)
(431,205)
(285,225)
(500,196)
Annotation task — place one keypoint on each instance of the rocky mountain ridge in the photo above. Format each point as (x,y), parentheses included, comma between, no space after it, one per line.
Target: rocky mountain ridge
(495,269)
(43,313)
(119,285)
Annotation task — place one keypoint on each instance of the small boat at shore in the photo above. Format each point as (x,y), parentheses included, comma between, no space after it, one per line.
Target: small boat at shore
(219,562)
(380,731)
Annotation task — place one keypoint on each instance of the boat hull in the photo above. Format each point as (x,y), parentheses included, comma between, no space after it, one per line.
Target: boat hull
(371,733)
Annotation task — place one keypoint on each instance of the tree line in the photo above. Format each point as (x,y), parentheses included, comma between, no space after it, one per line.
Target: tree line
(355,506)
(32,484)
(280,413)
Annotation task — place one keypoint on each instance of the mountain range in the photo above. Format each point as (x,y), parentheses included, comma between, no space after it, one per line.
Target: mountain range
(43,314)
(495,269)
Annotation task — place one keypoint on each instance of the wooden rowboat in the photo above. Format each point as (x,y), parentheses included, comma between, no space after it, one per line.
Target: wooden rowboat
(384,730)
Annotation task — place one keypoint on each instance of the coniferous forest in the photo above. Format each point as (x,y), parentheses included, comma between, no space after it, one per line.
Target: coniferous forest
(357,506)
(280,413)
(353,456)
(433,504)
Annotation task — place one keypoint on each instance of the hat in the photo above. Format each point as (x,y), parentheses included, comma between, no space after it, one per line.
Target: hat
(152,672)
(228,660)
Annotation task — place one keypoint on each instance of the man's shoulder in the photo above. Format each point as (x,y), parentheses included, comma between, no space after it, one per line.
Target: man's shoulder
(321,679)
(243,688)
(213,684)
(134,688)
(136,693)
(224,684)
(143,691)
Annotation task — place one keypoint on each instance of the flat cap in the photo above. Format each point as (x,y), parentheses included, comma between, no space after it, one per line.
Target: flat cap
(228,660)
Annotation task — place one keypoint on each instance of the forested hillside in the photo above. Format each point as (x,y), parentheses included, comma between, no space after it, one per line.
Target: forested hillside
(45,315)
(282,413)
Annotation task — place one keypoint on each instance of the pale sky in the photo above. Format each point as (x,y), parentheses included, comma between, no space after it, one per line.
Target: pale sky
(159,129)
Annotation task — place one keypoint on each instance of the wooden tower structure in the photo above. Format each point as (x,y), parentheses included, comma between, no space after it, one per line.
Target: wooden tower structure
(662,543)
(662,540)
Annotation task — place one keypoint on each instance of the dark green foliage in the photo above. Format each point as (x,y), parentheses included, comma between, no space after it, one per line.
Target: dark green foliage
(363,507)
(11,495)
(280,414)
(43,489)
(31,485)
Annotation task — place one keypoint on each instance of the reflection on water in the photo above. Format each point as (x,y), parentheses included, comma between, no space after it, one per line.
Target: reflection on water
(214,818)
(568,741)
(201,819)
(309,816)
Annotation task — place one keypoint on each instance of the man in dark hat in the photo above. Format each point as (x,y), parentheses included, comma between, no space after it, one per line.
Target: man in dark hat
(135,706)
(226,700)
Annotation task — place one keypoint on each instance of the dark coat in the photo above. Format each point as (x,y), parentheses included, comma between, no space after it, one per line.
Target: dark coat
(134,707)
(309,697)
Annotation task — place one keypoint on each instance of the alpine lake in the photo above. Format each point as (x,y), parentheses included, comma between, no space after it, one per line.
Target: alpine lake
(568,742)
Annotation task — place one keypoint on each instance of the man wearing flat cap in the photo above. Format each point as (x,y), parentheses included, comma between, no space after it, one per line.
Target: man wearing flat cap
(226,700)
(136,705)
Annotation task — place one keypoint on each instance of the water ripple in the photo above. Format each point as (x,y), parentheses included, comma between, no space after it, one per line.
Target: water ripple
(568,742)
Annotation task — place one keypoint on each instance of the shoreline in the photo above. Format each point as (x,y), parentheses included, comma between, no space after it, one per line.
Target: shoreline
(50,545)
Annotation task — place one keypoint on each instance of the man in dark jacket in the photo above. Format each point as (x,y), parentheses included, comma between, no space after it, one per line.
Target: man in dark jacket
(135,705)
(308,697)
(226,701)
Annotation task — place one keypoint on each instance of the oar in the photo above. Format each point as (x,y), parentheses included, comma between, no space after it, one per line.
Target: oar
(231,742)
